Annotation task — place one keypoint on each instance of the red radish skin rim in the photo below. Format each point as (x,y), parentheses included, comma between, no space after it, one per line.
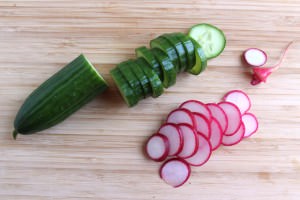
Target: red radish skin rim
(210,105)
(196,141)
(167,147)
(239,139)
(241,92)
(179,135)
(179,160)
(208,156)
(255,130)
(256,49)
(221,135)
(193,122)
(229,134)
(206,113)
(208,132)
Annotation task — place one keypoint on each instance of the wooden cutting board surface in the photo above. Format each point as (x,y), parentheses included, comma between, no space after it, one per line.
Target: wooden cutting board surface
(97,152)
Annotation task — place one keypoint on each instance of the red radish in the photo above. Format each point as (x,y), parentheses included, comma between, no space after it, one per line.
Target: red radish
(239,98)
(157,147)
(234,139)
(181,115)
(260,74)
(175,172)
(219,114)
(251,124)
(255,57)
(234,117)
(203,153)
(216,134)
(202,124)
(190,141)
(198,107)
(174,135)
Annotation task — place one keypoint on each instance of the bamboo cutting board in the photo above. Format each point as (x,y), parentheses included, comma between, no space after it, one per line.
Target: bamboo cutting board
(97,152)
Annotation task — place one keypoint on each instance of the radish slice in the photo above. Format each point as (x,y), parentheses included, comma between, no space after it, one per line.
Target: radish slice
(218,113)
(251,124)
(203,153)
(216,134)
(181,115)
(174,135)
(190,141)
(198,107)
(239,98)
(202,124)
(157,147)
(234,117)
(234,139)
(255,57)
(175,172)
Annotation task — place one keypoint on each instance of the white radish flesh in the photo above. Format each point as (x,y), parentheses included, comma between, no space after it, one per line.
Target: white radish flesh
(234,117)
(173,133)
(175,172)
(190,141)
(239,98)
(234,139)
(255,57)
(202,124)
(218,113)
(157,147)
(198,107)
(251,124)
(181,115)
(203,153)
(216,134)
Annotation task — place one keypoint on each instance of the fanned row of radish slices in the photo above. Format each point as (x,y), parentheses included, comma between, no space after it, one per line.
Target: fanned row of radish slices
(195,129)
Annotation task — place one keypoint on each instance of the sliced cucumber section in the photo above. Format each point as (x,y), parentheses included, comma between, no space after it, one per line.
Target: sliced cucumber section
(189,49)
(169,71)
(201,60)
(211,39)
(125,90)
(164,45)
(150,59)
(155,82)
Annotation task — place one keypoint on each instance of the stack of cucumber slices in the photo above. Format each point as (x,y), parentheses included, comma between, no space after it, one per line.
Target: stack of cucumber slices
(156,68)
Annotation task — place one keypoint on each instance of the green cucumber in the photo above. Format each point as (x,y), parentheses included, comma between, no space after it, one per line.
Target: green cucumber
(124,88)
(132,80)
(211,39)
(164,45)
(177,44)
(151,60)
(169,71)
(155,82)
(58,97)
(201,60)
(144,81)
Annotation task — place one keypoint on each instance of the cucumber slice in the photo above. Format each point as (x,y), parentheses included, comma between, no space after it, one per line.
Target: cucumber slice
(169,71)
(125,90)
(150,59)
(177,44)
(144,81)
(155,82)
(189,49)
(201,60)
(132,80)
(164,45)
(211,39)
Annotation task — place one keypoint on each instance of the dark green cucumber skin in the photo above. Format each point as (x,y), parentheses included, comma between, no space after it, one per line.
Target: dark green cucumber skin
(58,97)
(169,70)
(143,79)
(155,81)
(131,78)
(145,53)
(200,53)
(164,45)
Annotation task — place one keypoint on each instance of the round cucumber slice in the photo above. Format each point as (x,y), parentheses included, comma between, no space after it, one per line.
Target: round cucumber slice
(201,60)
(211,39)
